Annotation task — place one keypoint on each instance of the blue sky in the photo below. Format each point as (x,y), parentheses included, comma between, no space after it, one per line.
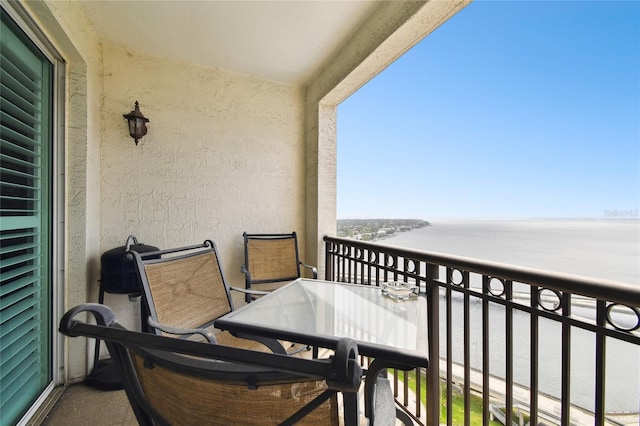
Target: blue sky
(511,109)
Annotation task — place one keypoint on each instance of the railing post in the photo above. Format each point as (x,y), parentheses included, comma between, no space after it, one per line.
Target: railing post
(328,261)
(433,371)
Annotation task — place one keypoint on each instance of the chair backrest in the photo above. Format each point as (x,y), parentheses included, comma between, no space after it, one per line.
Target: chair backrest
(184,287)
(184,397)
(271,257)
(171,381)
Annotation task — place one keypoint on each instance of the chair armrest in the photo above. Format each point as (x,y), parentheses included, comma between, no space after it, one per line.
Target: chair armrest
(247,291)
(314,270)
(386,412)
(183,331)
(379,403)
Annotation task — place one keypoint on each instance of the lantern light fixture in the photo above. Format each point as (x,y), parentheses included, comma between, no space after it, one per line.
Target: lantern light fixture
(137,123)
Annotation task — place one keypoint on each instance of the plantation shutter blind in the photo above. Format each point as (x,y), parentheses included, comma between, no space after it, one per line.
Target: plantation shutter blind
(25,221)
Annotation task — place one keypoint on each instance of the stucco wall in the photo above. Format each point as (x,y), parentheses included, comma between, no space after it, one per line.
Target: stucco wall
(224,154)
(71,35)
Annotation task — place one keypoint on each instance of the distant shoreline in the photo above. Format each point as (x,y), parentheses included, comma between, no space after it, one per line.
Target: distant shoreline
(377,229)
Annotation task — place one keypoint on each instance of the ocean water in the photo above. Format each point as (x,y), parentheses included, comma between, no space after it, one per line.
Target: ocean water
(607,249)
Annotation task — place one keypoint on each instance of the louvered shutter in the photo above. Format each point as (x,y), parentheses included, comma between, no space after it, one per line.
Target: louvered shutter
(25,221)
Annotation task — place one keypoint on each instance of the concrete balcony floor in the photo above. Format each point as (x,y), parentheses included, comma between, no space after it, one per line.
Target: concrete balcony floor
(83,405)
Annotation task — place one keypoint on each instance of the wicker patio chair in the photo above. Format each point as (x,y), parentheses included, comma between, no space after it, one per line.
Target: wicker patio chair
(172,381)
(184,293)
(271,258)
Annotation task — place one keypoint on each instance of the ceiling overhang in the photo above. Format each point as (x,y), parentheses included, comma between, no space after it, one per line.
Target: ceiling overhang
(284,41)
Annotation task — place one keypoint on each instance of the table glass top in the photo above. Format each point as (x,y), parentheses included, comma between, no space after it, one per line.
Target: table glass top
(324,308)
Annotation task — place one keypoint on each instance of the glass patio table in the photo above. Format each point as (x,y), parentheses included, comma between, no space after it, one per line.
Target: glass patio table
(319,313)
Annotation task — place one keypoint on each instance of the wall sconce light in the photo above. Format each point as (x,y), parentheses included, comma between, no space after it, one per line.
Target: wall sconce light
(137,123)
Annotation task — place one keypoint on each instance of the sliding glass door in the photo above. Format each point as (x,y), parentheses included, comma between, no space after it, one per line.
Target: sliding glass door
(26,92)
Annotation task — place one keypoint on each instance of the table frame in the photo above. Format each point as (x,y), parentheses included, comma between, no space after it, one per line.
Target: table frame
(385,356)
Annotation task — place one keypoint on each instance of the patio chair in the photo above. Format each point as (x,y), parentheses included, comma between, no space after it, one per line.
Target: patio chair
(172,381)
(185,292)
(271,258)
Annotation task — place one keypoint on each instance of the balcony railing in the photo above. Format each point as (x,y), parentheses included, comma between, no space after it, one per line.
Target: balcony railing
(551,347)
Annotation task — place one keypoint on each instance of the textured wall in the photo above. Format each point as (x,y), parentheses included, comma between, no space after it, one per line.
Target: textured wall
(224,154)
(78,171)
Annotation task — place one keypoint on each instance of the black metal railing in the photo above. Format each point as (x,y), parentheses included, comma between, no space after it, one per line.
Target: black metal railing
(552,346)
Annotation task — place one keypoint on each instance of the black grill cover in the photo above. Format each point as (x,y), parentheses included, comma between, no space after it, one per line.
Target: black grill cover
(118,274)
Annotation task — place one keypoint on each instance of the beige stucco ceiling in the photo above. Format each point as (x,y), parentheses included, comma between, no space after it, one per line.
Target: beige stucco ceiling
(286,41)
